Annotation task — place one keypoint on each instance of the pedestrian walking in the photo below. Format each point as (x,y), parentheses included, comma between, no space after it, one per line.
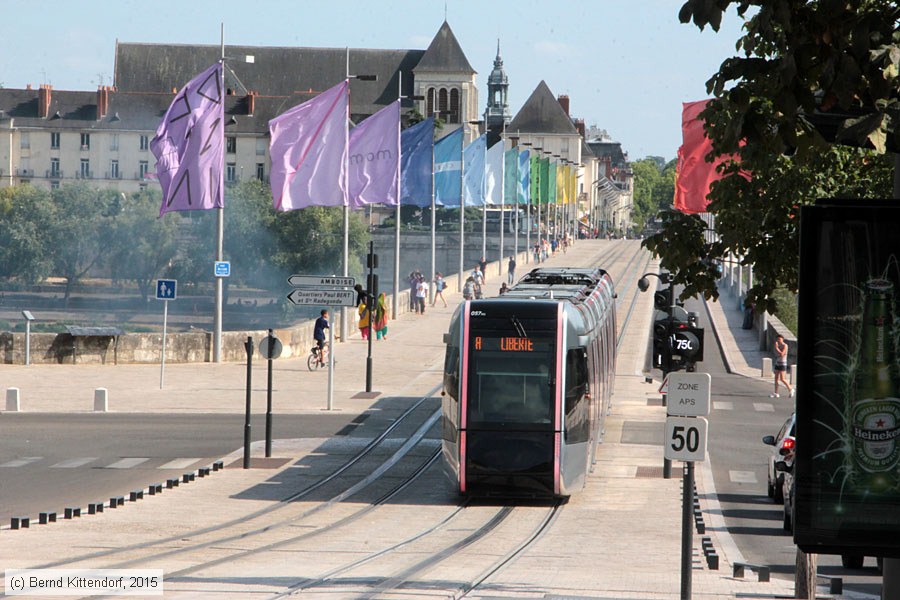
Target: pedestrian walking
(413,280)
(421,294)
(511,270)
(439,285)
(781,351)
(381,317)
(483,264)
(364,320)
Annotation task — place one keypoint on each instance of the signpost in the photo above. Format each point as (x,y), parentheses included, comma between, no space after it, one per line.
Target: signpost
(270,347)
(685,440)
(222,268)
(166,289)
(330,291)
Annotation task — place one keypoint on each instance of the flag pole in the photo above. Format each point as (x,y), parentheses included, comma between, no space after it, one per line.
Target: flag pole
(346,216)
(462,200)
(396,299)
(220,236)
(502,193)
(431,289)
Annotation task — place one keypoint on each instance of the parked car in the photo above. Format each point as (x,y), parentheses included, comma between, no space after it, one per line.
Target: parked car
(782,444)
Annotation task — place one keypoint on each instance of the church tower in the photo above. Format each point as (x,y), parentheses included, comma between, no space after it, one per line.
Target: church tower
(497,112)
(446,81)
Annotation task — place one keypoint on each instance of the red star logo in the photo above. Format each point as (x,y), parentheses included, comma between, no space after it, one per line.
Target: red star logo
(879,423)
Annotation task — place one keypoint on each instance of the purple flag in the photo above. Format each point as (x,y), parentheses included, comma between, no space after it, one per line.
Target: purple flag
(373,166)
(309,152)
(189,145)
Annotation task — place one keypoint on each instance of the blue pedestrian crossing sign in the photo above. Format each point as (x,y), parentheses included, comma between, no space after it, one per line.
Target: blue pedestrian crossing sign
(223,268)
(166,289)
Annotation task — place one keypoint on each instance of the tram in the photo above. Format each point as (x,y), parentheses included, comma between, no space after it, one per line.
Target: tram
(528,380)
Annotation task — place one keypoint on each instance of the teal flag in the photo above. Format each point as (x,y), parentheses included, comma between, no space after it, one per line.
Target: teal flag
(551,184)
(510,175)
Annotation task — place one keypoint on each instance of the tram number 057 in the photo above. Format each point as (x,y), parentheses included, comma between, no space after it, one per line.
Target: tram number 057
(686,438)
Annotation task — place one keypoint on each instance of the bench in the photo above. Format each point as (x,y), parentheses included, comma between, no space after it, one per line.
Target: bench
(762,573)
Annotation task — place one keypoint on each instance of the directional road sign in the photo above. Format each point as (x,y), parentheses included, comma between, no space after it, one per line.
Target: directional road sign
(323,297)
(688,394)
(320,281)
(166,289)
(685,439)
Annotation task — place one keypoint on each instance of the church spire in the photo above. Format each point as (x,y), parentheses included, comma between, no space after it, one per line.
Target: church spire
(497,113)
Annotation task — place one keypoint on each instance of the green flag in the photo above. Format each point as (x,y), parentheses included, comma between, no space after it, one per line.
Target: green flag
(551,184)
(535,180)
(545,181)
(510,175)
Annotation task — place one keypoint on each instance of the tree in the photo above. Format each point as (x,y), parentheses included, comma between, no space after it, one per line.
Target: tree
(310,241)
(79,230)
(25,216)
(250,242)
(810,73)
(654,185)
(142,245)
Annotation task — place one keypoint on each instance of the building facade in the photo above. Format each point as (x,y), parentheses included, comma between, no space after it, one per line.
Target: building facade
(51,137)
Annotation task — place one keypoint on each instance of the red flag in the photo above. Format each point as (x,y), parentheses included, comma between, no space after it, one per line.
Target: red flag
(694,175)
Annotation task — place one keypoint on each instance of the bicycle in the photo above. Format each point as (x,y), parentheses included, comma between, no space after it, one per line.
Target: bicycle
(313,362)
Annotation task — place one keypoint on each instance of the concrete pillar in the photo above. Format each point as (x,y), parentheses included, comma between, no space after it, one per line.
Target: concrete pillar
(12,400)
(793,374)
(740,280)
(766,370)
(101,402)
(763,331)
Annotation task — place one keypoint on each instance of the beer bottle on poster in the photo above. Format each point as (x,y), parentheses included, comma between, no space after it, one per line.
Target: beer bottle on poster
(874,424)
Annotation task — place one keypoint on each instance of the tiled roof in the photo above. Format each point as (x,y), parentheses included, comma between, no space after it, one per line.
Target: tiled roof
(542,113)
(444,54)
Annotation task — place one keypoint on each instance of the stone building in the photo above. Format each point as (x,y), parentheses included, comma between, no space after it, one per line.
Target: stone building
(49,137)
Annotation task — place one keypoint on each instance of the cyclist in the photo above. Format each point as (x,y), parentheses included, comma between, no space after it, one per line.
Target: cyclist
(319,334)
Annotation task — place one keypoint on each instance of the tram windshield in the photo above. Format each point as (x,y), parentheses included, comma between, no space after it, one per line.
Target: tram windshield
(511,381)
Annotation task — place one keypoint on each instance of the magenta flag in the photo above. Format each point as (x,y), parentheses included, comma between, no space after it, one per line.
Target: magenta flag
(189,145)
(309,152)
(373,165)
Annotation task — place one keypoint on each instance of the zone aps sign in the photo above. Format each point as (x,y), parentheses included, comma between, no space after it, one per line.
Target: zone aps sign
(688,394)
(686,439)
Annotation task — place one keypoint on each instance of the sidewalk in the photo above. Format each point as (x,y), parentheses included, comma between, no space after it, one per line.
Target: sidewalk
(618,539)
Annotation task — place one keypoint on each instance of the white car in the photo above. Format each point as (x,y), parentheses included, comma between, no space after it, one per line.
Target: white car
(783,444)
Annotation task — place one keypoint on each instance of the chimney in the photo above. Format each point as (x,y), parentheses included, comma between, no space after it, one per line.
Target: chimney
(102,101)
(251,102)
(564,102)
(579,125)
(44,100)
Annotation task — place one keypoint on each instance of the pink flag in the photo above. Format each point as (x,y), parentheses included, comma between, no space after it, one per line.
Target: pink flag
(189,145)
(374,162)
(309,152)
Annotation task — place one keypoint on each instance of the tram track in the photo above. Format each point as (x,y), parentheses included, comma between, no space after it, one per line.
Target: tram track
(257,521)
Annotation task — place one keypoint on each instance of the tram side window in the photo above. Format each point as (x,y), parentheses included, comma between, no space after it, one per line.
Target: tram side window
(451,372)
(577,410)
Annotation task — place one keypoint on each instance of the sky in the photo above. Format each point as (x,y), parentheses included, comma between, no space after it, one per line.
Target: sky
(627,65)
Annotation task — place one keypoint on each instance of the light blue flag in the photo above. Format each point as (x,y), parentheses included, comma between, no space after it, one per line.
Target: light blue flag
(473,174)
(524,187)
(510,176)
(416,145)
(447,169)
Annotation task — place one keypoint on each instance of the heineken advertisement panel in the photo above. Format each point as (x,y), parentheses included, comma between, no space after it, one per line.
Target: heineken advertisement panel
(847,469)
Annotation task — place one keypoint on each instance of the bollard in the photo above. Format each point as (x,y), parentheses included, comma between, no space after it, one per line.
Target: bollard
(154,489)
(19,522)
(712,561)
(12,400)
(101,401)
(218,465)
(116,501)
(171,483)
(766,370)
(136,495)
(47,517)
(793,374)
(95,508)
(203,471)
(73,512)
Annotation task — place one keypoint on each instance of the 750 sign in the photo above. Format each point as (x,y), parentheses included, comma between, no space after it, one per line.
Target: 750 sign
(686,438)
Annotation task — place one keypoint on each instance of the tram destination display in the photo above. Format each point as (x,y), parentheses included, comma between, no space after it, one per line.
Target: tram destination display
(847,470)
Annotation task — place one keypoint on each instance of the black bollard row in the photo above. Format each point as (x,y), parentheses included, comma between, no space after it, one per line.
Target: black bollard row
(19,523)
(712,558)
(47,517)
(154,489)
(218,465)
(95,508)
(73,512)
(116,501)
(172,483)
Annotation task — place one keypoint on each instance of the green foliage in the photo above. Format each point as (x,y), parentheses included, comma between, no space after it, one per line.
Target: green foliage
(654,188)
(808,74)
(25,215)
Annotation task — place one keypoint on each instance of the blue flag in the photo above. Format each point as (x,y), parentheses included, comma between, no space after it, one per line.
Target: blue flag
(416,148)
(524,187)
(474,166)
(447,169)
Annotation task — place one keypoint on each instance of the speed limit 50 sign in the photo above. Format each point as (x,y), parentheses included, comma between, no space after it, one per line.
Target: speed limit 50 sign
(686,439)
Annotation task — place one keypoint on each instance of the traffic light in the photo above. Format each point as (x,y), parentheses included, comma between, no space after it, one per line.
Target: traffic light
(662,353)
(662,299)
(686,343)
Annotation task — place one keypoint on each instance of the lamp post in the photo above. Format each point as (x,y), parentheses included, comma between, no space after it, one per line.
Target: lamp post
(345,271)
